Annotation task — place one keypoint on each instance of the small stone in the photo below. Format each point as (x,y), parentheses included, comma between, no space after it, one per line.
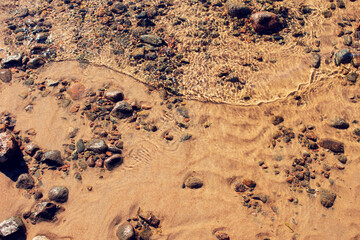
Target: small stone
(352,77)
(261,197)
(40,238)
(97,145)
(342,159)
(356,59)
(114,95)
(185,137)
(327,198)
(222,235)
(276,120)
(122,110)
(43,211)
(59,194)
(42,37)
(265,21)
(118,8)
(148,217)
(237,9)
(12,61)
(25,181)
(52,158)
(152,40)
(113,161)
(339,123)
(76,91)
(333,145)
(316,60)
(72,132)
(343,56)
(8,146)
(5,75)
(183,112)
(12,227)
(38,195)
(193,182)
(31,148)
(249,183)
(35,63)
(125,232)
(347,40)
(80,146)
(340,166)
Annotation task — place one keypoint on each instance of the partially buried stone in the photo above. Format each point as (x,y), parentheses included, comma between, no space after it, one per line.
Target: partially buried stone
(118,8)
(114,95)
(148,217)
(35,63)
(276,120)
(183,111)
(97,145)
(11,227)
(43,211)
(113,161)
(222,235)
(80,146)
(352,77)
(8,146)
(193,182)
(332,145)
(25,181)
(261,197)
(125,232)
(5,75)
(343,56)
(357,132)
(31,148)
(152,40)
(265,22)
(12,61)
(249,183)
(52,158)
(347,40)
(185,137)
(59,194)
(339,123)
(122,110)
(76,91)
(237,9)
(316,60)
(327,198)
(40,238)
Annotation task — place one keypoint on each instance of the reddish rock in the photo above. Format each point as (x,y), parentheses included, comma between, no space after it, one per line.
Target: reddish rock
(333,145)
(5,75)
(265,21)
(311,135)
(222,235)
(7,146)
(249,183)
(76,91)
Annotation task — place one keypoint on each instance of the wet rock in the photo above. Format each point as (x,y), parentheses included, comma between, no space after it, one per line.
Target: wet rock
(276,120)
(113,161)
(339,123)
(40,238)
(316,60)
(76,91)
(352,77)
(222,235)
(114,95)
(59,194)
(183,111)
(265,22)
(31,148)
(5,75)
(333,145)
(122,110)
(25,181)
(12,227)
(343,56)
(35,63)
(193,182)
(237,9)
(118,8)
(80,146)
(148,217)
(125,232)
(261,197)
(327,198)
(97,145)
(8,146)
(152,40)
(12,61)
(52,158)
(43,211)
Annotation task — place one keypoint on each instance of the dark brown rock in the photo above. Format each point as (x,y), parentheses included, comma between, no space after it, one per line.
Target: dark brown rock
(122,110)
(339,123)
(148,217)
(43,211)
(222,235)
(8,146)
(52,158)
(327,198)
(333,145)
(249,183)
(125,232)
(265,22)
(59,194)
(25,181)
(193,182)
(276,120)
(113,161)
(237,9)
(114,95)
(5,75)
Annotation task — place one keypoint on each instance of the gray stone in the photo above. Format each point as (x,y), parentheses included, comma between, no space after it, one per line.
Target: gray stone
(42,37)
(343,56)
(52,158)
(113,161)
(12,61)
(59,194)
(339,123)
(327,198)
(97,145)
(8,146)
(118,8)
(11,227)
(152,40)
(352,77)
(5,75)
(122,110)
(347,40)
(316,60)
(80,146)
(25,181)
(43,211)
(125,232)
(114,95)
(183,112)
(237,9)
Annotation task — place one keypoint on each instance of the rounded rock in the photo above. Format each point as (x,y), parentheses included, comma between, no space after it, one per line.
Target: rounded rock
(265,21)
(343,56)
(193,182)
(236,9)
(327,198)
(125,232)
(97,145)
(122,110)
(59,194)
(114,95)
(5,75)
(40,238)
(25,181)
(52,158)
(113,161)
(76,91)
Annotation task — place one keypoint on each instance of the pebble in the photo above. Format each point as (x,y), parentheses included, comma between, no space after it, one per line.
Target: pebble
(35,63)
(342,159)
(276,120)
(40,238)
(265,21)
(339,123)
(316,60)
(97,145)
(25,181)
(193,182)
(12,61)
(249,183)
(222,235)
(237,9)
(262,197)
(356,59)
(347,40)
(343,56)
(152,40)
(333,145)
(185,137)
(52,158)
(8,146)
(114,95)
(43,211)
(80,146)
(148,217)
(59,194)
(125,232)
(118,8)
(76,91)
(340,166)
(327,198)
(183,112)
(122,110)
(31,148)
(5,75)
(113,161)
(11,227)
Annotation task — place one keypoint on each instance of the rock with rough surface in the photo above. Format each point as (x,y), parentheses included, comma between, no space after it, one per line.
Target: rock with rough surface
(97,145)
(125,232)
(12,61)
(222,235)
(237,9)
(343,56)
(8,146)
(339,123)
(327,198)
(122,110)
(193,182)
(40,238)
(31,148)
(113,161)
(114,95)
(43,211)
(148,217)
(52,158)
(265,22)
(152,40)
(5,75)
(11,227)
(76,91)
(25,181)
(333,145)
(59,194)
